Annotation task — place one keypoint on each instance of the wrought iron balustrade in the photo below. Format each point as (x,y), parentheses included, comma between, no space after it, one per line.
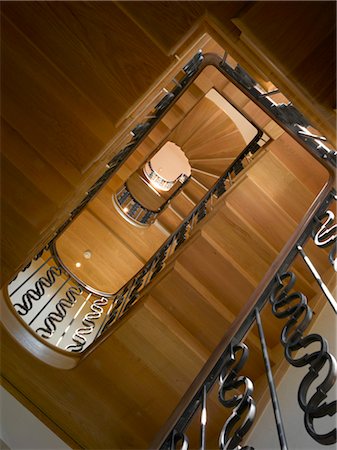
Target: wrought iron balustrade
(226,366)
(54,306)
(72,314)
(135,212)
(82,313)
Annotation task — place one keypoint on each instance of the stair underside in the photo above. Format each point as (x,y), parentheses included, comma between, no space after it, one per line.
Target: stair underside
(158,349)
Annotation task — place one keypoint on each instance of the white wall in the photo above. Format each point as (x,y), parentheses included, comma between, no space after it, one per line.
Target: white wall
(20,429)
(264,435)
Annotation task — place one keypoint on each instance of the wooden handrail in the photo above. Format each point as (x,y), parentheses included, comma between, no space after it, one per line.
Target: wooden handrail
(256,300)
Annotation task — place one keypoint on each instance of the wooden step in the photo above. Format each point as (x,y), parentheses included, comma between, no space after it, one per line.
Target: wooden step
(194,190)
(267,249)
(211,77)
(190,98)
(179,297)
(235,96)
(169,220)
(302,165)
(240,243)
(182,205)
(281,186)
(216,166)
(173,116)
(233,287)
(204,179)
(259,211)
(159,133)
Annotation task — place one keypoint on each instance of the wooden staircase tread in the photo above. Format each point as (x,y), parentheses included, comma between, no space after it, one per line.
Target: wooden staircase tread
(292,155)
(179,328)
(215,303)
(204,181)
(294,197)
(233,288)
(271,249)
(169,219)
(182,205)
(240,243)
(206,324)
(194,190)
(216,166)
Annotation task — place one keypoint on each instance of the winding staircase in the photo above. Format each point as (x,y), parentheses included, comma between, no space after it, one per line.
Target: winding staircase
(173,317)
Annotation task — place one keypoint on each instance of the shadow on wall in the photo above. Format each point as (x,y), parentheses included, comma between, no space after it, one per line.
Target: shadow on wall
(20,429)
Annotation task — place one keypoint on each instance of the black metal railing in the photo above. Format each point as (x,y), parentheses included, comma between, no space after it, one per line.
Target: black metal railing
(129,207)
(226,364)
(92,311)
(135,211)
(129,293)
(284,114)
(139,132)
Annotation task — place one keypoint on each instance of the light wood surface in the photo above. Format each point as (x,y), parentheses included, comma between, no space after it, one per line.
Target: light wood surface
(73,72)
(102,230)
(75,76)
(122,393)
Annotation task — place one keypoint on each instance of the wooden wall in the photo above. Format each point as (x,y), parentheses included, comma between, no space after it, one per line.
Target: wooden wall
(72,73)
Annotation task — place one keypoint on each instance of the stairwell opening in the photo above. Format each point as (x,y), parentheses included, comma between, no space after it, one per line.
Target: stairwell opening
(209,129)
(151,187)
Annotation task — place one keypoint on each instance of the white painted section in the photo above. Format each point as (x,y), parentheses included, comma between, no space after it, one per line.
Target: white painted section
(247,130)
(21,430)
(264,436)
(170,162)
(167,166)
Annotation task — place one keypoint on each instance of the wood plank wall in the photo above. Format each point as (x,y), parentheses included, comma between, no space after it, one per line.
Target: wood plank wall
(71,71)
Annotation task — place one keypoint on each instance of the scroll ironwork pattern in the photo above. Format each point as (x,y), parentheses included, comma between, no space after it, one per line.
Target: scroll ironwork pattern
(36,293)
(326,236)
(89,324)
(57,316)
(294,306)
(243,404)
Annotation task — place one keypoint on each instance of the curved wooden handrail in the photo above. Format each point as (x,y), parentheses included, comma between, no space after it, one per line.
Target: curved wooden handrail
(63,359)
(258,298)
(33,343)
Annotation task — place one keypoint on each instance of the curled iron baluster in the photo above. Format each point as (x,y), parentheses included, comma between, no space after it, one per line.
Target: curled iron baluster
(38,291)
(238,167)
(112,315)
(294,307)
(242,404)
(326,236)
(179,438)
(57,316)
(160,261)
(164,102)
(89,324)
